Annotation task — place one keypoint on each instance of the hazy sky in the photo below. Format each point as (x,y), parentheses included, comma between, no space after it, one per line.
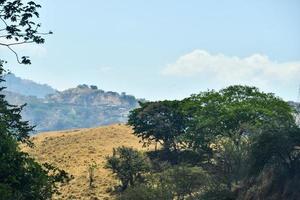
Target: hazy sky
(166,49)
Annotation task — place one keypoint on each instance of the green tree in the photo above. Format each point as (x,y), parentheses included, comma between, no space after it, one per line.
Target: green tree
(274,166)
(220,126)
(177,182)
(184,181)
(159,122)
(21,177)
(230,161)
(128,165)
(231,112)
(146,192)
(276,148)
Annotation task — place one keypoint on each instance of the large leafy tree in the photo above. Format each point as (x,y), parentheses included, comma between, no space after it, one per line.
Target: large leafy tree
(222,124)
(158,122)
(233,112)
(21,177)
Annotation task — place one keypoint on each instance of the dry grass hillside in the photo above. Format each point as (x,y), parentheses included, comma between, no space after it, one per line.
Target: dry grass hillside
(75,150)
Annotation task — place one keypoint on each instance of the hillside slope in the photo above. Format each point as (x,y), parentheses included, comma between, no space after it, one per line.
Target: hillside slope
(74,150)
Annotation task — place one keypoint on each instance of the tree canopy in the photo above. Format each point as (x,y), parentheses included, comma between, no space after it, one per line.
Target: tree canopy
(18,25)
(245,140)
(160,122)
(233,111)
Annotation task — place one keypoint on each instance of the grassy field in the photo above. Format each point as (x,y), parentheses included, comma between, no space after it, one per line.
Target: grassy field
(75,150)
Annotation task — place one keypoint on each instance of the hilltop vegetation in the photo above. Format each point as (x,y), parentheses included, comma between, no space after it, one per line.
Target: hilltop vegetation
(236,143)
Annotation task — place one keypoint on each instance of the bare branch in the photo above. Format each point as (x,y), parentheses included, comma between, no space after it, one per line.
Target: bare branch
(17,57)
(17,43)
(3,21)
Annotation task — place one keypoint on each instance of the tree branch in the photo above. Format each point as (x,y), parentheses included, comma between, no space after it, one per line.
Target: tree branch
(17,57)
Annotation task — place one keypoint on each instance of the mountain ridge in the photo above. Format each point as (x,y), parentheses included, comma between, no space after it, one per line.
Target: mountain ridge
(26,87)
(80,107)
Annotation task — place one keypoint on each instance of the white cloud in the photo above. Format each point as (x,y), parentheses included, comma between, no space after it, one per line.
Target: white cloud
(256,69)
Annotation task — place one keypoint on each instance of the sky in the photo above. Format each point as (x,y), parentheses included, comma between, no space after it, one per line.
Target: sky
(167,49)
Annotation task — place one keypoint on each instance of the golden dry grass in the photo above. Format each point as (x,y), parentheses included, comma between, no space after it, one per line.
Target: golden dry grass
(75,150)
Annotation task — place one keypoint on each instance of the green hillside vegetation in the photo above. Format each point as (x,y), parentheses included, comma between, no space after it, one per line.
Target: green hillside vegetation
(237,143)
(234,144)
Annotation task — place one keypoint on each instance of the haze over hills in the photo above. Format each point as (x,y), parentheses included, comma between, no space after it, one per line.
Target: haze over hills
(26,87)
(81,107)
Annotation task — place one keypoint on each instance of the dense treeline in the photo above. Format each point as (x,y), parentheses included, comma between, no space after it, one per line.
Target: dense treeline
(236,143)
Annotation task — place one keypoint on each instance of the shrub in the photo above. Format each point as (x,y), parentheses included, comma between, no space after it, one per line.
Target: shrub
(184,181)
(146,192)
(128,165)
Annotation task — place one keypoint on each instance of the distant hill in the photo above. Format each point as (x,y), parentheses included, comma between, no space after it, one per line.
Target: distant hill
(26,87)
(80,107)
(75,150)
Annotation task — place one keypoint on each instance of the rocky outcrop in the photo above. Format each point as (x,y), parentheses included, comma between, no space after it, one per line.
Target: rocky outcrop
(80,107)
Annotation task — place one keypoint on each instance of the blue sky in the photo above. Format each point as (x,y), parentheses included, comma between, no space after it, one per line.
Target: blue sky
(168,49)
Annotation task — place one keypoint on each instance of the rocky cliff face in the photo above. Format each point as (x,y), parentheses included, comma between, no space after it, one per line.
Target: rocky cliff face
(80,107)
(90,96)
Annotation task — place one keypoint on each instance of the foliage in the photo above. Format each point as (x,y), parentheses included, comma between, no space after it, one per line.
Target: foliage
(19,26)
(276,148)
(184,181)
(274,165)
(178,182)
(160,122)
(219,192)
(237,135)
(231,112)
(128,165)
(21,177)
(91,173)
(230,159)
(146,192)
(11,123)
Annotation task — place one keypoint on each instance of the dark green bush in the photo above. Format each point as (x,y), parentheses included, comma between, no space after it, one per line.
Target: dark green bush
(128,165)
(146,192)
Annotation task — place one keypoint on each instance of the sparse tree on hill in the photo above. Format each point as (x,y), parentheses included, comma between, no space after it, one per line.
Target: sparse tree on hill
(91,174)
